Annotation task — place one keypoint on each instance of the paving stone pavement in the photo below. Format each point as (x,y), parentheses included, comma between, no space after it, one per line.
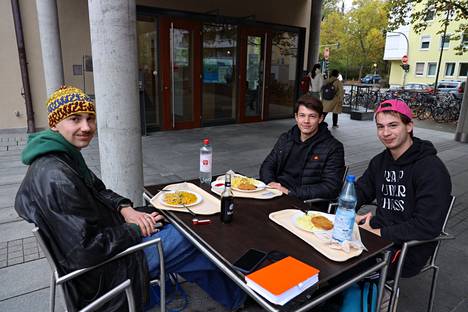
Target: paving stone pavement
(173,155)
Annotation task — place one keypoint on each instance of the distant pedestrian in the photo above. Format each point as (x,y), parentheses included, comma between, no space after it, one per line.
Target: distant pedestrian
(333,104)
(316,81)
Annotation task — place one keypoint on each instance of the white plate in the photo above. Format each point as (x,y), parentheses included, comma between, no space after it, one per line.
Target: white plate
(219,184)
(197,201)
(299,214)
(259,184)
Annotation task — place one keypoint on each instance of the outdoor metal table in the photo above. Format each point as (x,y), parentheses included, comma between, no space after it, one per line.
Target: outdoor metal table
(251,228)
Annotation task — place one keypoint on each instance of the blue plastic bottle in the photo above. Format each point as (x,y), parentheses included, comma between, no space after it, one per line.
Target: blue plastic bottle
(345,214)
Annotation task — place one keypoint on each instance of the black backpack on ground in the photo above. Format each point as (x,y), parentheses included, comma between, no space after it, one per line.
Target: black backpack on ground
(329,91)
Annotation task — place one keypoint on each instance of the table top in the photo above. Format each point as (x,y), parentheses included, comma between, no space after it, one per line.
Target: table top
(252,228)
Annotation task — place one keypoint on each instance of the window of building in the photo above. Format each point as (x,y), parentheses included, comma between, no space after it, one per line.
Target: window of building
(425,42)
(449,69)
(463,72)
(431,69)
(445,41)
(430,15)
(465,40)
(419,71)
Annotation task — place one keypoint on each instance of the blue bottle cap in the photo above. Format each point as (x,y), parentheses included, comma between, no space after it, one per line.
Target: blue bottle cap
(350,178)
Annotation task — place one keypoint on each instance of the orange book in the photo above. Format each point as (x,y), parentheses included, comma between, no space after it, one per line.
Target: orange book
(283,280)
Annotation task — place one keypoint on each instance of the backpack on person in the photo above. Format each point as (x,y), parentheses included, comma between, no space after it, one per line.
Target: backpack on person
(329,91)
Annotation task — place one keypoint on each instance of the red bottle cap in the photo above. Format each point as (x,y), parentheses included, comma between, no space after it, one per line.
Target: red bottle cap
(206,141)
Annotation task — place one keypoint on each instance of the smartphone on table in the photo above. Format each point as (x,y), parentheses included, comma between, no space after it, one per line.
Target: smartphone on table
(249,261)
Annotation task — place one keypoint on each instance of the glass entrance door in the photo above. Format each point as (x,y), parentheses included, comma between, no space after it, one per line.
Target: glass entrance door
(180,55)
(254,73)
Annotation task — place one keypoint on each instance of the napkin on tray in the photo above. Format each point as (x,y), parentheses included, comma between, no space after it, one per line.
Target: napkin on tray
(346,246)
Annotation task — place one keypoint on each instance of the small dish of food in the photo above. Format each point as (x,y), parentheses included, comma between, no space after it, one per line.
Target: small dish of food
(180,198)
(313,222)
(245,184)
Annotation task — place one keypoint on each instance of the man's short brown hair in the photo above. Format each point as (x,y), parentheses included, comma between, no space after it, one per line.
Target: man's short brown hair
(309,102)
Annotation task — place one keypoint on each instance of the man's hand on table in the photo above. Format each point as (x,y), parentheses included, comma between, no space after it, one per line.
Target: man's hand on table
(364,222)
(145,221)
(279,187)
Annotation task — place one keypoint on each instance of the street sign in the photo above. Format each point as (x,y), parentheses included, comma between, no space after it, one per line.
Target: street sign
(404,59)
(326,53)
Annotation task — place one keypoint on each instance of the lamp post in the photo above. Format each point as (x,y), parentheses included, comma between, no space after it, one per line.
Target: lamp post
(407,50)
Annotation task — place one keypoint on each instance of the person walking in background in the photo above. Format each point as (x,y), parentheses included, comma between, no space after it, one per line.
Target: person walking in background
(316,81)
(332,96)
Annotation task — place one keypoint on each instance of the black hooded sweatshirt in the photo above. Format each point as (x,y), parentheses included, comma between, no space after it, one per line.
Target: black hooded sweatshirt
(412,195)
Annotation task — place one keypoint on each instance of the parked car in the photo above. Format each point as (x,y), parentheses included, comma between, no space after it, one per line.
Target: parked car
(418,87)
(456,87)
(371,78)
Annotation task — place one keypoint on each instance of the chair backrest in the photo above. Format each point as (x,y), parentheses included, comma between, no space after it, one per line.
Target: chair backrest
(345,173)
(449,211)
(45,248)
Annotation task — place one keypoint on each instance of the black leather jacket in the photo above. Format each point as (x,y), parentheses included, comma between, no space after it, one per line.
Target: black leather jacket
(323,170)
(83,228)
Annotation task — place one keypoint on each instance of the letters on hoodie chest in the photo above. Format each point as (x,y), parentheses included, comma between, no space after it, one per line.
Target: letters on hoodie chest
(395,189)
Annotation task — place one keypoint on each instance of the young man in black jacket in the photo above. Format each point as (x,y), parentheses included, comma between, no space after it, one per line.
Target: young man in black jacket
(307,161)
(85,223)
(410,184)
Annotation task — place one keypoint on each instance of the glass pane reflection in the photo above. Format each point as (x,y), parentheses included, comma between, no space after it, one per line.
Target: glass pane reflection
(282,74)
(147,72)
(254,76)
(219,72)
(182,73)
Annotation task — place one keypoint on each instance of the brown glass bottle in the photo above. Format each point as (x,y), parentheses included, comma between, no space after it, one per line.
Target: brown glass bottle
(227,201)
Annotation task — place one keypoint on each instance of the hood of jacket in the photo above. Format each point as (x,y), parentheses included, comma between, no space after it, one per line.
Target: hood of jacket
(48,142)
(418,150)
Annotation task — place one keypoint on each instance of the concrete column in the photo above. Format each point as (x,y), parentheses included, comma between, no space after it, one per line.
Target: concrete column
(114,52)
(461,134)
(51,49)
(314,33)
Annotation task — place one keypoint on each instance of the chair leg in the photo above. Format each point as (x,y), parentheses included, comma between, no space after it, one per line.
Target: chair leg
(433,288)
(52,294)
(394,299)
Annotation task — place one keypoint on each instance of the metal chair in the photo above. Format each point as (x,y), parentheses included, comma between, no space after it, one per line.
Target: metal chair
(56,279)
(393,286)
(331,201)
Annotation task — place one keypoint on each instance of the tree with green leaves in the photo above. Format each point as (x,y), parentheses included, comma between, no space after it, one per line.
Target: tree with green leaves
(419,12)
(360,38)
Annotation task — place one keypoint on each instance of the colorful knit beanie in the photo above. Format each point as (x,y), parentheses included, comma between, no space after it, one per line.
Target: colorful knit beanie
(67,101)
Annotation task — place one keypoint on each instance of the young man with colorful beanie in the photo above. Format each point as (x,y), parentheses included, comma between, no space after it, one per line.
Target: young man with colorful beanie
(410,184)
(84,223)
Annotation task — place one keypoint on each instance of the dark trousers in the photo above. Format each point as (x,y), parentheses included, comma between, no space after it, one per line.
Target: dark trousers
(334,118)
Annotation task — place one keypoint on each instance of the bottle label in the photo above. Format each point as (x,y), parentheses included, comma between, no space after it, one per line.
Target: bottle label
(205,163)
(343,225)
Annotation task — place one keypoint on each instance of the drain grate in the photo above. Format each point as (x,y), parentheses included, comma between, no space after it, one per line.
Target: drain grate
(19,251)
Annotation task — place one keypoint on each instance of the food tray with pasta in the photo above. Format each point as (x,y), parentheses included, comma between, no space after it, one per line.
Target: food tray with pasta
(175,196)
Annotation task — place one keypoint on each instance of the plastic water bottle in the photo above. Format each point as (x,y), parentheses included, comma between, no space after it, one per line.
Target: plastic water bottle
(206,162)
(345,214)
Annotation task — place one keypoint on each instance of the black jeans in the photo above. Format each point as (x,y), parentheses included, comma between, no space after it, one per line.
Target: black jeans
(334,118)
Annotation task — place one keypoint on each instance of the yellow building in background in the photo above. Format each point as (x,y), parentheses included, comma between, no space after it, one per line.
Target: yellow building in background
(423,52)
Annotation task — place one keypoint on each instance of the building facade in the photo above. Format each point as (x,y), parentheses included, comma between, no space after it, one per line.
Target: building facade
(200,63)
(423,52)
